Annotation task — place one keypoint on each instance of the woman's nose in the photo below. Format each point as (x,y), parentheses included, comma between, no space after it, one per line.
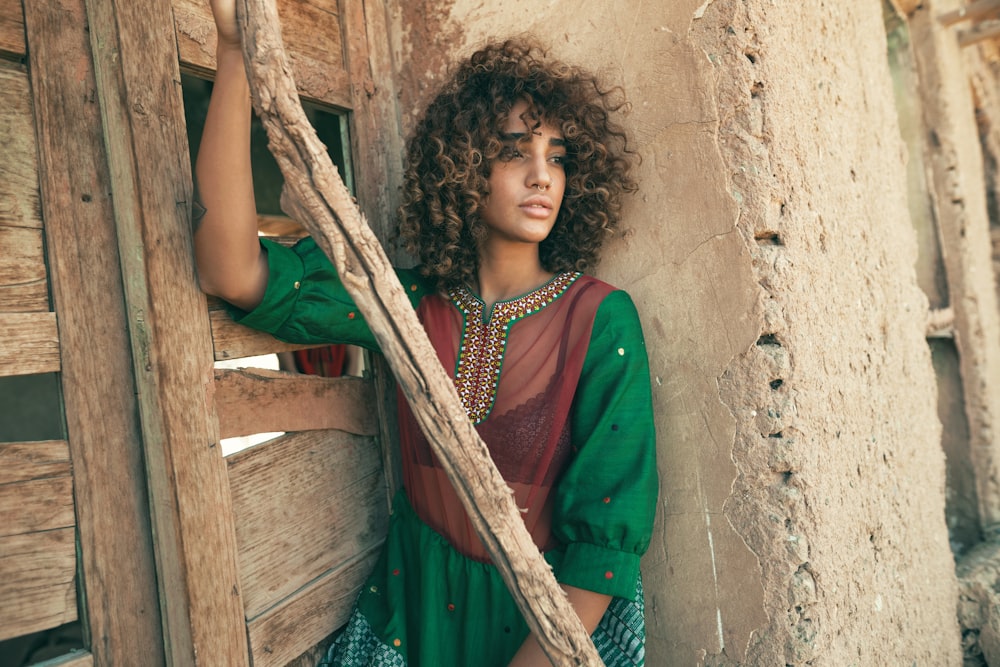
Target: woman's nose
(539,174)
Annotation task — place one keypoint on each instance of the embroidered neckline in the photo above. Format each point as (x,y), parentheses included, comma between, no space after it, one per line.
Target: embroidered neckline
(480,357)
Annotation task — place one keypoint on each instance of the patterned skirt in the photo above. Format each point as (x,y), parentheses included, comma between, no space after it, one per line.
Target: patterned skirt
(426,605)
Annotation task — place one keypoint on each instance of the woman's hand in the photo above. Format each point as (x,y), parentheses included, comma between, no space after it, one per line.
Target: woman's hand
(224,12)
(589,606)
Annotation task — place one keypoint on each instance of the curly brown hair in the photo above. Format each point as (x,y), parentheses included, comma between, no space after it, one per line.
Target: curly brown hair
(458,140)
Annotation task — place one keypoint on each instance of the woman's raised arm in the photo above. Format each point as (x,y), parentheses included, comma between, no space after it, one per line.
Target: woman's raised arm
(230,261)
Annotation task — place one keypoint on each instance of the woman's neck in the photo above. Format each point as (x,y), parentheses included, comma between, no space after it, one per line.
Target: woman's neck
(509,275)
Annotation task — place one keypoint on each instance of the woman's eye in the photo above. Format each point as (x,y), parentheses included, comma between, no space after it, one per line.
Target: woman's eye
(558,159)
(510,153)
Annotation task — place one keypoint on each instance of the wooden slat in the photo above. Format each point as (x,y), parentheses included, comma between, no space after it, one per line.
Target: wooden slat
(24,461)
(303,504)
(297,624)
(235,341)
(29,343)
(99,395)
(19,204)
(262,401)
(37,587)
(23,287)
(37,504)
(11,28)
(312,32)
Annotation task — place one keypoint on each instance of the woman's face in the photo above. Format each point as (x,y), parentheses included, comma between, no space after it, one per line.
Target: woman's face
(526,182)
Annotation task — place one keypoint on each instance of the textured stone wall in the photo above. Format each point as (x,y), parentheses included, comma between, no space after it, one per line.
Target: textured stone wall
(771,257)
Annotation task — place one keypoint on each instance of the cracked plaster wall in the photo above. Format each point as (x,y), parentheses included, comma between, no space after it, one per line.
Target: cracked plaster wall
(801,518)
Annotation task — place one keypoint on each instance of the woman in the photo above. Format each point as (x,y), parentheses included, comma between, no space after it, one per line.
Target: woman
(515,177)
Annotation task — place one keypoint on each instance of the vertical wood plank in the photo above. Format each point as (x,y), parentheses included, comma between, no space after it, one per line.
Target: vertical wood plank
(138,88)
(377,148)
(115,542)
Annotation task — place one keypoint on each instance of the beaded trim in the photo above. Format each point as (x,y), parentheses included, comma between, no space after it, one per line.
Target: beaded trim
(483,344)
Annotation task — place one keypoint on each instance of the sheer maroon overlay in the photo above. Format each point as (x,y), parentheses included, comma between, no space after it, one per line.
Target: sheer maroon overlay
(525,422)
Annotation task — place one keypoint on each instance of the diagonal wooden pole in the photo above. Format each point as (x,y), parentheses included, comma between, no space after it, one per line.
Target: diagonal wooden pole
(316,196)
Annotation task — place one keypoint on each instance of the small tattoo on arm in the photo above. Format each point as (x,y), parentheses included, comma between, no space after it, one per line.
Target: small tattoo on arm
(198,211)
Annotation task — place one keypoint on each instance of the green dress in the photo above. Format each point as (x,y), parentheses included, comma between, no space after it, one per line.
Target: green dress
(557,383)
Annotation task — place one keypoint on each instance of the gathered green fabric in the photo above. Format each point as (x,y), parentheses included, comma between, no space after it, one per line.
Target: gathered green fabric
(306,303)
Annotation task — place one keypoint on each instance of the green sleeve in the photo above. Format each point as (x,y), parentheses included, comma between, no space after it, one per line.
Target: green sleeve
(606,500)
(306,303)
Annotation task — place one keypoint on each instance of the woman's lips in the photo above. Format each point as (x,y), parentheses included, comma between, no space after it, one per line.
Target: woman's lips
(537,207)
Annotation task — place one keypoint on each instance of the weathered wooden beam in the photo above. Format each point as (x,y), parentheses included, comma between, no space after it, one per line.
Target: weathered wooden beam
(138,89)
(318,199)
(976,10)
(258,400)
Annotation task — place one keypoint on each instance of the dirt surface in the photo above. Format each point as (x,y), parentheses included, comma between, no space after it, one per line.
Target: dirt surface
(771,257)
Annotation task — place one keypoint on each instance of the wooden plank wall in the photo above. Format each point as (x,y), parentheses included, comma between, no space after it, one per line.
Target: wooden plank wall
(87,490)
(309,509)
